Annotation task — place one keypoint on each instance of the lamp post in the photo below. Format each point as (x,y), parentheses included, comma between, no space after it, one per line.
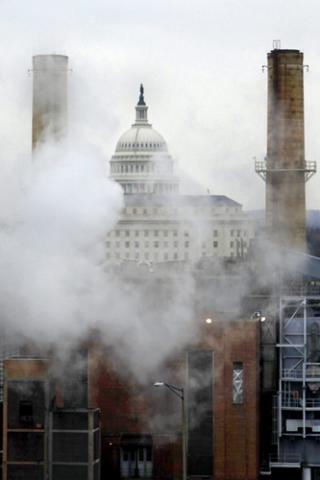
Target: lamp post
(258,316)
(179,392)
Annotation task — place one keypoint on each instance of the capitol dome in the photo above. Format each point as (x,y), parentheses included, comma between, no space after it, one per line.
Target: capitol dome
(142,163)
(141,138)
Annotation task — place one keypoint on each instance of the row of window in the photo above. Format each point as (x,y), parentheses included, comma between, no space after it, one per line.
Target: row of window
(136,167)
(146,233)
(155,256)
(165,244)
(238,243)
(148,256)
(214,211)
(167,233)
(141,145)
(155,244)
(158,188)
(134,453)
(237,233)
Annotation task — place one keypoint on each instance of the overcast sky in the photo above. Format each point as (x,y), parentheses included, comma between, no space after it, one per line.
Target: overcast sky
(200,62)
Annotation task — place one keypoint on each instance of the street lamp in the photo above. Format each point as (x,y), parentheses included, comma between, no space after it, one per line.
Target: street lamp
(258,316)
(179,392)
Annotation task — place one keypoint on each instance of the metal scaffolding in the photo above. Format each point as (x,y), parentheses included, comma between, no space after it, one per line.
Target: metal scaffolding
(298,396)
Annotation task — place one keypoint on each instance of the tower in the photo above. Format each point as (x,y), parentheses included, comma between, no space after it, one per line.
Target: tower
(285,169)
(49,107)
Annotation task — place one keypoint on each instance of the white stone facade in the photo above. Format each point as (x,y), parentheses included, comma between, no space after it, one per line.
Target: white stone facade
(157,223)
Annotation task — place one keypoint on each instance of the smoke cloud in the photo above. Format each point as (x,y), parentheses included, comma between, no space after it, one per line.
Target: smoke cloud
(55,212)
(55,286)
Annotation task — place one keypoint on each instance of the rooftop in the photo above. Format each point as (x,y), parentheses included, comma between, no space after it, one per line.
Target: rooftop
(179,200)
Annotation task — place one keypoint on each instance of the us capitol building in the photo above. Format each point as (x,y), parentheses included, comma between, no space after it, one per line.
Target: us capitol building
(157,223)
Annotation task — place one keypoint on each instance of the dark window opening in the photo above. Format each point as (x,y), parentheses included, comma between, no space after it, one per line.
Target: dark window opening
(149,454)
(140,454)
(26,412)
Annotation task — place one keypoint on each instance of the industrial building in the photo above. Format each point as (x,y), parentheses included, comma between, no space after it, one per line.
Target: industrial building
(220,375)
(43,436)
(241,401)
(290,341)
(284,438)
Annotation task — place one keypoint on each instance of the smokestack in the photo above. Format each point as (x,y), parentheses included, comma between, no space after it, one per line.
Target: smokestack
(285,169)
(49,115)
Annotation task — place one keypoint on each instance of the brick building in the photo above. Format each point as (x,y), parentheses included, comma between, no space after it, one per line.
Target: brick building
(220,375)
(43,436)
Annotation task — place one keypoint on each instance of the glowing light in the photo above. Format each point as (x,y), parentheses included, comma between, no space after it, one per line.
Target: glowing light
(208,321)
(258,316)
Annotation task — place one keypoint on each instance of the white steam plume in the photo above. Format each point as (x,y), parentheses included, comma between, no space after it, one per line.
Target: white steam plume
(55,212)
(55,287)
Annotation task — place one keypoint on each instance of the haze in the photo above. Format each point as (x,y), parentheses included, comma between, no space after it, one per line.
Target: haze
(200,62)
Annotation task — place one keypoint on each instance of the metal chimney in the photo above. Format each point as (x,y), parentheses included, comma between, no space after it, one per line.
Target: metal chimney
(49,110)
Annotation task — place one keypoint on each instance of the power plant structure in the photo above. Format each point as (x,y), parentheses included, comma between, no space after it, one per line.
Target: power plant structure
(44,437)
(247,387)
(141,424)
(289,439)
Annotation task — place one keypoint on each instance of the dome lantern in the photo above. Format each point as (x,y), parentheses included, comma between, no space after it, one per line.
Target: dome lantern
(141,109)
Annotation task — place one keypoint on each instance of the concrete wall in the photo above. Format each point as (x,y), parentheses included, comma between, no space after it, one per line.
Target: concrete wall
(49,109)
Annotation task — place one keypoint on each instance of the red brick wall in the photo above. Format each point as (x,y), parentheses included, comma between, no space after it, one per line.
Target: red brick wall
(236,452)
(127,408)
(124,406)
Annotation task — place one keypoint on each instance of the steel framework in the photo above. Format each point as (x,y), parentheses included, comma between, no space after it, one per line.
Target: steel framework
(296,406)
(262,168)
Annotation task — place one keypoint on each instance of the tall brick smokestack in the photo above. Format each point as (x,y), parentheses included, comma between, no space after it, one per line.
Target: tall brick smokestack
(285,188)
(285,169)
(49,113)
